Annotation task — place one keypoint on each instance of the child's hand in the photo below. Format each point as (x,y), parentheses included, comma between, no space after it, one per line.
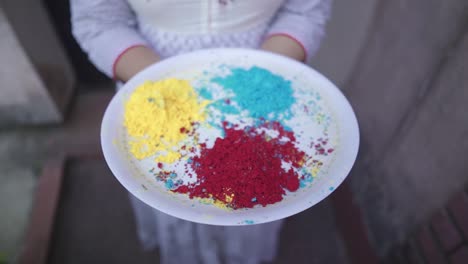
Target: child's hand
(133,61)
(286,46)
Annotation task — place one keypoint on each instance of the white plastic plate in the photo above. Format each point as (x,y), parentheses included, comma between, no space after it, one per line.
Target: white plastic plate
(328,112)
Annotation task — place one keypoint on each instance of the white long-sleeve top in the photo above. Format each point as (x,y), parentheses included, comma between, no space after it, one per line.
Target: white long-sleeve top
(105,29)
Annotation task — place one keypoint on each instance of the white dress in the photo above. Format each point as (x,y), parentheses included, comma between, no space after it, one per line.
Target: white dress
(105,29)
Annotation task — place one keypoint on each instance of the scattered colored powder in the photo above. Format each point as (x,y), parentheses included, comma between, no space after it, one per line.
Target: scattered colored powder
(217,203)
(155,115)
(169,184)
(306,179)
(244,169)
(260,92)
(224,107)
(205,93)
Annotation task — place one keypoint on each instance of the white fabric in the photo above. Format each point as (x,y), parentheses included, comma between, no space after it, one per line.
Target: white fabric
(204,16)
(105,28)
(181,241)
(168,44)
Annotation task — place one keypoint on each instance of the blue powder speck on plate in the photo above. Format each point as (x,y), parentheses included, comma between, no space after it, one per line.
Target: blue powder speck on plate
(169,184)
(308,178)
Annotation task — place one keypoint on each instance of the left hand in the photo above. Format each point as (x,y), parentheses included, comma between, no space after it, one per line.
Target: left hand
(286,46)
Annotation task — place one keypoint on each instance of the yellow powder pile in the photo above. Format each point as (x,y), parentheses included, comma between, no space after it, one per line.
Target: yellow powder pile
(157,117)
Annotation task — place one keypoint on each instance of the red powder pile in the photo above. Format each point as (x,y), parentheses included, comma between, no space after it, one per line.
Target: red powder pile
(244,169)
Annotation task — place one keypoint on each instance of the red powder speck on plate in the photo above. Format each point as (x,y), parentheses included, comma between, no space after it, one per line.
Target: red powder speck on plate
(244,169)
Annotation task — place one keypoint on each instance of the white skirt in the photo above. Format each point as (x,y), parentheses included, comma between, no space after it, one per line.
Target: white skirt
(181,241)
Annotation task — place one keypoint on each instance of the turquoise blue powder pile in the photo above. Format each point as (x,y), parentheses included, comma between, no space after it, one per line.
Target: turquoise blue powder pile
(263,94)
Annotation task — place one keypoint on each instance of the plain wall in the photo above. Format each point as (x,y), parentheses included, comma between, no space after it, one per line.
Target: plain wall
(409,91)
(346,33)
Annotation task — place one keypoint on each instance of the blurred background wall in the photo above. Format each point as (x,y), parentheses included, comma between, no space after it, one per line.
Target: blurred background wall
(402,64)
(36,77)
(409,89)
(345,36)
